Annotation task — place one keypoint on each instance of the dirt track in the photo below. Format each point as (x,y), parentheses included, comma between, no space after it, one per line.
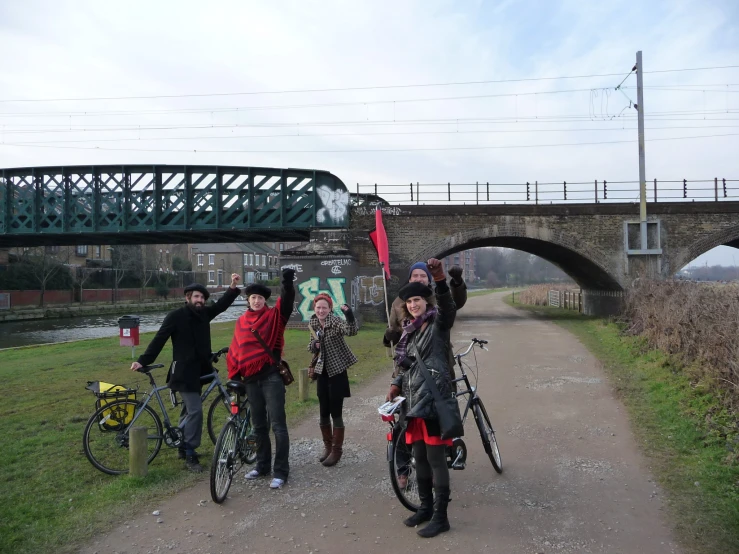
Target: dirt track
(573,478)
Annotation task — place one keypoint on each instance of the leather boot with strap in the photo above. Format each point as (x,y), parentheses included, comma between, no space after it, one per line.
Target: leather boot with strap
(439,522)
(327,441)
(426,494)
(336,447)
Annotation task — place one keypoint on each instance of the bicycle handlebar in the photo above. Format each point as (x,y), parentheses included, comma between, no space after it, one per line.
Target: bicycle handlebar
(148,368)
(216,355)
(480,342)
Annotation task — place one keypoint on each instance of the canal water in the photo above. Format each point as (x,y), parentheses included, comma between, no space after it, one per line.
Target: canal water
(44,331)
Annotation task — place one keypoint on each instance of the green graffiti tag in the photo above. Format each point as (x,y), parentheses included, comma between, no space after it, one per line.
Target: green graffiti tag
(311,288)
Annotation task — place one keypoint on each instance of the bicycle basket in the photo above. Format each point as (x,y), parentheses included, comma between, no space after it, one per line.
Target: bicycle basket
(107,393)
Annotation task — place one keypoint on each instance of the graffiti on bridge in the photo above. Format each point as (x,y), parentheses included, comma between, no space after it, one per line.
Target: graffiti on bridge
(367,290)
(312,287)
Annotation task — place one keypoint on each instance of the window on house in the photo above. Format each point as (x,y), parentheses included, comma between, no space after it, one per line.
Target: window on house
(52,250)
(264,260)
(282,246)
(200,260)
(81,250)
(211,276)
(246,261)
(211,259)
(251,259)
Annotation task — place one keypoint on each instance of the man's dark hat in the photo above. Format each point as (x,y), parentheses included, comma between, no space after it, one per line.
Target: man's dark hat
(415,289)
(199,288)
(256,288)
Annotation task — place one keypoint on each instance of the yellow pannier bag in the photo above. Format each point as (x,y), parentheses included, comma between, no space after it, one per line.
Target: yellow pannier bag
(113,419)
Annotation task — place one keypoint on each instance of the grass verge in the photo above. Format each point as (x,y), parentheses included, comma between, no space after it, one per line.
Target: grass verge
(690,439)
(53,498)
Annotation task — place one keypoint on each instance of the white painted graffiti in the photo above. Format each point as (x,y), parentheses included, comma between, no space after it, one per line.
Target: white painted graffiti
(343,261)
(368,290)
(335,205)
(370,210)
(336,270)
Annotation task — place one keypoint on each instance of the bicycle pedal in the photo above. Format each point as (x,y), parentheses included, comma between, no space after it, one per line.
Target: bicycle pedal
(460,465)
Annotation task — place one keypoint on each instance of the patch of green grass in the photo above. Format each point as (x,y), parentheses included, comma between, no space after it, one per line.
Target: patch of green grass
(690,439)
(53,498)
(482,292)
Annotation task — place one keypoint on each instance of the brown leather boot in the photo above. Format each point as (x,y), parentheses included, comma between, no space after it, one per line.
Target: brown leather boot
(336,447)
(327,441)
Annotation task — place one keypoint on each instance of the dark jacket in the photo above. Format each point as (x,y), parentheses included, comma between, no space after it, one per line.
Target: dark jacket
(432,345)
(191,348)
(395,330)
(335,355)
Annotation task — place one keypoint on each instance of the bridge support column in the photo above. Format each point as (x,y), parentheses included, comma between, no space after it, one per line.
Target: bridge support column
(602,303)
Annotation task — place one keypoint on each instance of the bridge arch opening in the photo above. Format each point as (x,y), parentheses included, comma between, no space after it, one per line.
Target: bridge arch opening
(587,273)
(711,244)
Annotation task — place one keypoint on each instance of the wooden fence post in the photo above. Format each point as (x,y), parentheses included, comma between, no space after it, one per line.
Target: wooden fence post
(303,384)
(137,466)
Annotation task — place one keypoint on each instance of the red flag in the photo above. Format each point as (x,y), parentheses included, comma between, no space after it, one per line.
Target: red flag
(379,240)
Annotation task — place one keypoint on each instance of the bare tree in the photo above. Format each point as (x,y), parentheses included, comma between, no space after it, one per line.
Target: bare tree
(43,267)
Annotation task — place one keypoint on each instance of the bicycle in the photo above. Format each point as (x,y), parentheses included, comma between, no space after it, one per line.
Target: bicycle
(400,457)
(236,445)
(106,434)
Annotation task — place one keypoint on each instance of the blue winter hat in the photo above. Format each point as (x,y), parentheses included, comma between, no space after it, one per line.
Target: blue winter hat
(420,265)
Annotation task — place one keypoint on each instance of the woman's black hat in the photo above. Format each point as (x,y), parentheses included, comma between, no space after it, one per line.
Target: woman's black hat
(199,288)
(415,289)
(256,288)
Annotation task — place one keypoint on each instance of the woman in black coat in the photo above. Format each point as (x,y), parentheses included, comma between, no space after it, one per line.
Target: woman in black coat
(426,331)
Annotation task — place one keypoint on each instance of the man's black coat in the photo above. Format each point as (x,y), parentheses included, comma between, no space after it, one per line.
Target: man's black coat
(191,348)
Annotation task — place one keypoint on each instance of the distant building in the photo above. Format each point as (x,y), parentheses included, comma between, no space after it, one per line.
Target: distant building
(465,260)
(256,261)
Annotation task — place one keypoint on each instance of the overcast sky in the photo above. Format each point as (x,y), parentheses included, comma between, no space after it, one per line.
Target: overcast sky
(54,50)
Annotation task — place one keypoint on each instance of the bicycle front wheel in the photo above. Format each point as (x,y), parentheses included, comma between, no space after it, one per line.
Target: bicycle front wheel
(218,414)
(403,472)
(106,437)
(487,435)
(225,462)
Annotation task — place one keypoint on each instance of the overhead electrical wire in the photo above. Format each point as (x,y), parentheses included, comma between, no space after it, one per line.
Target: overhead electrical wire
(368,150)
(345,89)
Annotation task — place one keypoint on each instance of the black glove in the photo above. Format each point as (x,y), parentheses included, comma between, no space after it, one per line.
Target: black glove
(455,272)
(288,275)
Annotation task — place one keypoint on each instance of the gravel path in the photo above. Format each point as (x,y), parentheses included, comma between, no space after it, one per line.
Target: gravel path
(573,481)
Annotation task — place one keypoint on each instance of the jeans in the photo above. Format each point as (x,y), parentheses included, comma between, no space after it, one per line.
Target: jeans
(192,417)
(267,397)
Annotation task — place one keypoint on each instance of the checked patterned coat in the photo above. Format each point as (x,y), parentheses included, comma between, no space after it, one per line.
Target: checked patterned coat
(335,356)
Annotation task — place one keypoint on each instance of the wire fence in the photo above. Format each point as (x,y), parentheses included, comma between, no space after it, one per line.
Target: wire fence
(563,192)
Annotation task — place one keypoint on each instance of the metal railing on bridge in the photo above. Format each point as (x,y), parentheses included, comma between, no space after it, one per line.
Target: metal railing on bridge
(161,203)
(562,192)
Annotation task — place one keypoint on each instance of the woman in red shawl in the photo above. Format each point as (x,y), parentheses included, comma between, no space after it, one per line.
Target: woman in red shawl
(249,361)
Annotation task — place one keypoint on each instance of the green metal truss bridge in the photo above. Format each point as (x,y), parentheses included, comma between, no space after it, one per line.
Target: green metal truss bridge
(127,204)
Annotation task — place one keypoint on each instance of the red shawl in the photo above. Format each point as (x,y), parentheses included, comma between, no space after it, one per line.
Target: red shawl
(245,355)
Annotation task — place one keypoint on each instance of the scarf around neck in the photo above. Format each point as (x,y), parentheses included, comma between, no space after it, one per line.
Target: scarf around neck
(245,355)
(410,327)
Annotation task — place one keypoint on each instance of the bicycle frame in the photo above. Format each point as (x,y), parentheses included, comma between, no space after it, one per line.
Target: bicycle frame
(471,391)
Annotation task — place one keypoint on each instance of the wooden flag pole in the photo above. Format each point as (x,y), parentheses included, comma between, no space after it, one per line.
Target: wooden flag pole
(387,306)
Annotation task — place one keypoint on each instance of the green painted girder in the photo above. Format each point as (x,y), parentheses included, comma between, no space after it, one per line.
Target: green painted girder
(140,203)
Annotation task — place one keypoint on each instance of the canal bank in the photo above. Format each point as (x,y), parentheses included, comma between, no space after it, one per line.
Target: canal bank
(84,310)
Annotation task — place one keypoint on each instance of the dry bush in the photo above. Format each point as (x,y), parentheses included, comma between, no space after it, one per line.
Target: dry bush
(538,295)
(696,322)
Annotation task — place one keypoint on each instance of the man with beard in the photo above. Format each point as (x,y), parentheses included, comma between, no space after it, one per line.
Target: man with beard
(189,329)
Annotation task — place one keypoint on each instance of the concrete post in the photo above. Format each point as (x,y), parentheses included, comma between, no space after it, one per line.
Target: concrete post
(303,381)
(137,452)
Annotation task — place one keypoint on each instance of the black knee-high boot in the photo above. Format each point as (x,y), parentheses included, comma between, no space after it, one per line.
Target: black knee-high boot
(439,522)
(426,494)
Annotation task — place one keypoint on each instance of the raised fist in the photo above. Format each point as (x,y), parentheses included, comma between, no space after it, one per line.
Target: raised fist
(288,275)
(455,272)
(436,269)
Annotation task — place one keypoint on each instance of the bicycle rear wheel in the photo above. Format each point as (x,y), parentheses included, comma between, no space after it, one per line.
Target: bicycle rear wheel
(487,435)
(106,439)
(402,463)
(218,414)
(250,444)
(225,462)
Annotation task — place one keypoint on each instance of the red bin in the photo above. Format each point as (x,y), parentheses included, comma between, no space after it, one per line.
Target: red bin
(128,330)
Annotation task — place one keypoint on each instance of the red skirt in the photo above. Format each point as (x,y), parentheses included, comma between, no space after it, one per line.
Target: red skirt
(416,431)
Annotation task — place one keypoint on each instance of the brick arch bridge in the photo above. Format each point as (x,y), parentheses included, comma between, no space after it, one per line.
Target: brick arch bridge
(598,245)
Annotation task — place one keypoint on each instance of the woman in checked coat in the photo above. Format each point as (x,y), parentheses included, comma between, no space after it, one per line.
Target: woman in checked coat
(331,361)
